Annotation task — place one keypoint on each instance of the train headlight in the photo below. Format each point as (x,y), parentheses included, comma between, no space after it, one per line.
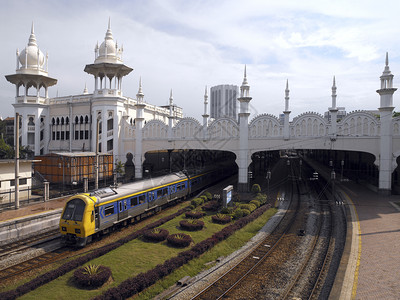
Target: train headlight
(64,228)
(77,230)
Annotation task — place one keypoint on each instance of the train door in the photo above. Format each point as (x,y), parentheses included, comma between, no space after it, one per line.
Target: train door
(122,209)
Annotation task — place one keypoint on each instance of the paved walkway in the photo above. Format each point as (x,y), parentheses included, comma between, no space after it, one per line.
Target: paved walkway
(379,264)
(32,209)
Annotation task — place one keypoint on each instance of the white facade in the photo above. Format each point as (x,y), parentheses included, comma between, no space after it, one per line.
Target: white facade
(223,101)
(7,179)
(69,123)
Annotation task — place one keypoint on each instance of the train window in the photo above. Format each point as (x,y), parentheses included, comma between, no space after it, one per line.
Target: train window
(134,201)
(120,206)
(74,210)
(142,198)
(173,189)
(109,210)
(164,192)
(125,205)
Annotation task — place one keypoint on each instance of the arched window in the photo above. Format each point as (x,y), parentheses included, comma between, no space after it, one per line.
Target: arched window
(58,121)
(86,119)
(62,120)
(30,122)
(67,120)
(76,120)
(53,121)
(81,119)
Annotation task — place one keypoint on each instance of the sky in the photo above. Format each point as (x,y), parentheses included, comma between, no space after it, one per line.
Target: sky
(186,45)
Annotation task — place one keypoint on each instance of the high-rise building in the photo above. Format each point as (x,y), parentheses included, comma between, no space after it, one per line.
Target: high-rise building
(223,101)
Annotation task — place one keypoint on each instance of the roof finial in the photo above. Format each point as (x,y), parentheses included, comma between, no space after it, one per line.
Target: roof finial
(334,81)
(109,22)
(387,59)
(32,37)
(245,76)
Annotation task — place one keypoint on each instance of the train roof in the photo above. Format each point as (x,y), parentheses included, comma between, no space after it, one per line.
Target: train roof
(109,193)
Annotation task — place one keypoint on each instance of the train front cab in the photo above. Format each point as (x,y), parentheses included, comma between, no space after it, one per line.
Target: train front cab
(77,222)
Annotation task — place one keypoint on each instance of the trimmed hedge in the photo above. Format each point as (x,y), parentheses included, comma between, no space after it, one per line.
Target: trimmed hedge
(196,214)
(136,284)
(83,278)
(208,195)
(156,234)
(197,202)
(73,264)
(180,240)
(191,225)
(211,206)
(256,203)
(221,218)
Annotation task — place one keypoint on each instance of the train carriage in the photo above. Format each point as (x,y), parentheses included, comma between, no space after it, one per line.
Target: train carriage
(87,214)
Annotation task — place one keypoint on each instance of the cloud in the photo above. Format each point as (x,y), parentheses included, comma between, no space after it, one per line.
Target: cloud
(186,45)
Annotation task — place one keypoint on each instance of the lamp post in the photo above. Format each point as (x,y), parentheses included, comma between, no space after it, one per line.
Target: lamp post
(300,163)
(268,179)
(250,176)
(333,177)
(342,164)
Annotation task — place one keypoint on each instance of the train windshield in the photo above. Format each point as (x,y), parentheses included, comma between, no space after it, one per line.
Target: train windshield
(74,210)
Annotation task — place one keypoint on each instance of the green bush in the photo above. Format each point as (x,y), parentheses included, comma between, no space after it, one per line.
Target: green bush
(261,197)
(255,188)
(197,202)
(250,207)
(208,195)
(225,211)
(256,203)
(204,197)
(238,213)
(246,212)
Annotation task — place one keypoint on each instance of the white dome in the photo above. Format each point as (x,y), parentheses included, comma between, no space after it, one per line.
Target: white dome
(108,52)
(29,56)
(108,46)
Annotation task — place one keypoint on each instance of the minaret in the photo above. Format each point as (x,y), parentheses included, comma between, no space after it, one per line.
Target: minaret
(205,115)
(286,113)
(138,158)
(171,116)
(243,158)
(333,111)
(31,71)
(386,144)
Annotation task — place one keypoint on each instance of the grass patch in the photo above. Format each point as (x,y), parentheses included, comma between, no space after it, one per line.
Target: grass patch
(224,248)
(138,256)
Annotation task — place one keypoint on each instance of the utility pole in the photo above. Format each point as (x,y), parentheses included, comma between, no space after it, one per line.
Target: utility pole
(96,178)
(268,179)
(16,161)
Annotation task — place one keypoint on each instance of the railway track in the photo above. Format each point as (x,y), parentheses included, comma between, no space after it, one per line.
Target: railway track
(226,284)
(298,264)
(34,263)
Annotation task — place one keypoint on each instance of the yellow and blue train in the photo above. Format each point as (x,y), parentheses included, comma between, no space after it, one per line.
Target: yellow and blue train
(89,214)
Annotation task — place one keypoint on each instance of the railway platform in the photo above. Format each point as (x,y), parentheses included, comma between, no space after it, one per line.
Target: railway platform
(32,209)
(371,260)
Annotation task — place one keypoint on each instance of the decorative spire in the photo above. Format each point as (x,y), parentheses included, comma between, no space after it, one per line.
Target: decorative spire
(287,95)
(140,95)
(387,70)
(109,35)
(85,90)
(334,93)
(245,77)
(245,87)
(32,37)
(171,98)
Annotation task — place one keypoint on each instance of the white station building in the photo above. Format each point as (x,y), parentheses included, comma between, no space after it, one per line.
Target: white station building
(69,124)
